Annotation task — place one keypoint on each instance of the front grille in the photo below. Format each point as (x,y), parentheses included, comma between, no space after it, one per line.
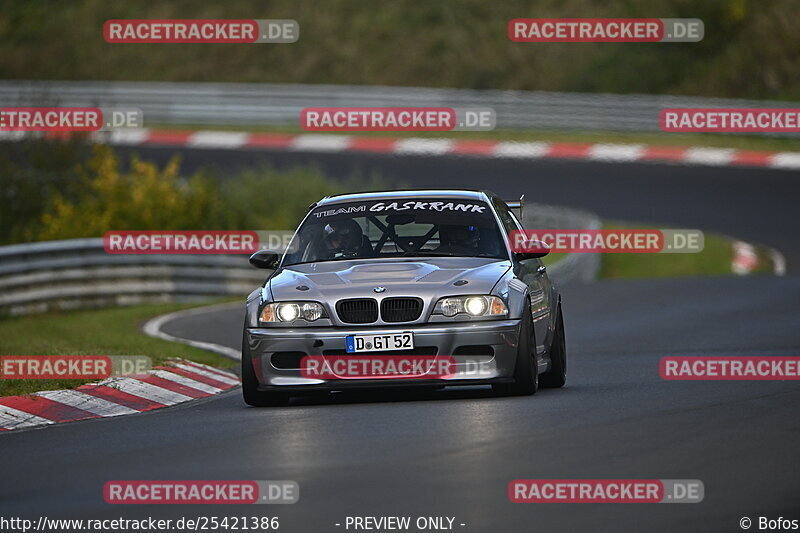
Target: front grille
(357,311)
(401,309)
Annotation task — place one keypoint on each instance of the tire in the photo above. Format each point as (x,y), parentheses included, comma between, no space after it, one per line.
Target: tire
(250,393)
(557,375)
(526,373)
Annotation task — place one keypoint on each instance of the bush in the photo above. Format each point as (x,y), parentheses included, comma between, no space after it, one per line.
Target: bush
(148,198)
(53,190)
(31,172)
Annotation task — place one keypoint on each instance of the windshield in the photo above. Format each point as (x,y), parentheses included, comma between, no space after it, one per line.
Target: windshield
(416,228)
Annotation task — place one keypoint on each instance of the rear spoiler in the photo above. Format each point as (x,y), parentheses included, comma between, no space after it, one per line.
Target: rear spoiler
(518,204)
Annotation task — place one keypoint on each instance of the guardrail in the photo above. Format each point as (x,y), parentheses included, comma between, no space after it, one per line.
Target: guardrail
(573,267)
(280,104)
(78,273)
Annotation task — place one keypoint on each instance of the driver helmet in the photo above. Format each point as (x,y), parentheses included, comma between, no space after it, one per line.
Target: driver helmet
(343,236)
(458,235)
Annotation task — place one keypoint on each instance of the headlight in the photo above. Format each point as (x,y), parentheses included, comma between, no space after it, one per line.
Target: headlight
(291,311)
(476,306)
(471,305)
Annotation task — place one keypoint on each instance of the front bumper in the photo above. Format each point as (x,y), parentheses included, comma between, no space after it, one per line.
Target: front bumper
(484,352)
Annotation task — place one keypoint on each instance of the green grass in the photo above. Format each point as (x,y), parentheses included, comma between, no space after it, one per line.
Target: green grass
(742,142)
(113,331)
(714,260)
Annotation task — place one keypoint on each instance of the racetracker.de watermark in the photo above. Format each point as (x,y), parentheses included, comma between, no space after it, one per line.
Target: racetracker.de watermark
(201,492)
(65,119)
(175,242)
(606,491)
(608,241)
(397,119)
(725,120)
(605,30)
(742,368)
(377,367)
(72,366)
(142,524)
(180,242)
(201,31)
(365,366)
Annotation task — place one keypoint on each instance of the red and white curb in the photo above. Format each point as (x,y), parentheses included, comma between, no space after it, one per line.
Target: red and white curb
(745,259)
(403,146)
(176,382)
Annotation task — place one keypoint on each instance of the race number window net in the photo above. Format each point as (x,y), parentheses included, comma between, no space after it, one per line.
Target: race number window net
(402,228)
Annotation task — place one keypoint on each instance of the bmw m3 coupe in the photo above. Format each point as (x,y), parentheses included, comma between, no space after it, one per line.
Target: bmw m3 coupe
(403,288)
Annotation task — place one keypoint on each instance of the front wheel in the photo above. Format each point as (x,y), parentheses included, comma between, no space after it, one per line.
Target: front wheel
(526,373)
(557,375)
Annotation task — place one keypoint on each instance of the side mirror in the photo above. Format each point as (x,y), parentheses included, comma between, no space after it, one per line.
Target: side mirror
(533,249)
(265,259)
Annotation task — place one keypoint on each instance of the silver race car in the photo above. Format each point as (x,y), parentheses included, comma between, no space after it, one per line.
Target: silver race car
(403,288)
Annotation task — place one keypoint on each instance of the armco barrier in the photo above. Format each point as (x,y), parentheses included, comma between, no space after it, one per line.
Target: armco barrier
(573,267)
(280,104)
(78,273)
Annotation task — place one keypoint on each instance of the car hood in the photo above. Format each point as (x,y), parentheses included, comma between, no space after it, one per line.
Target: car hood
(429,278)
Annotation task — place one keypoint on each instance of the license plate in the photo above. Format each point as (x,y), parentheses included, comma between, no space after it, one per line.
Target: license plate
(380,342)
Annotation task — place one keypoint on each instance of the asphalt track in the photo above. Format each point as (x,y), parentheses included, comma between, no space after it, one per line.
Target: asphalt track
(454,453)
